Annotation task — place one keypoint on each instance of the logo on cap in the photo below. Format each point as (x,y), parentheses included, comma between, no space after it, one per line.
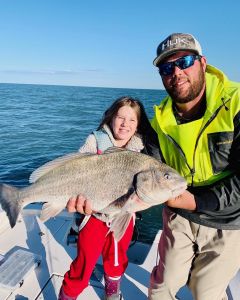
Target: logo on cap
(177,42)
(169,42)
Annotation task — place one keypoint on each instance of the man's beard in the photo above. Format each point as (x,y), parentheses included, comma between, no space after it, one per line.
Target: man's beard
(194,90)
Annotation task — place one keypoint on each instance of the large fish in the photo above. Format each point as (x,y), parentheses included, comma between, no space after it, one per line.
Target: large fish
(108,180)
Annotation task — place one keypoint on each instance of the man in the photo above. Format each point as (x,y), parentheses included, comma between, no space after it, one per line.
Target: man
(198,126)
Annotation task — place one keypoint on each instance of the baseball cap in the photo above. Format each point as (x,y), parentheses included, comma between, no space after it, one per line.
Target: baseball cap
(177,42)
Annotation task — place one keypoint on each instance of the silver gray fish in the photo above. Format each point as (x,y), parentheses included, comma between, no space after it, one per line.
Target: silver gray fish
(108,180)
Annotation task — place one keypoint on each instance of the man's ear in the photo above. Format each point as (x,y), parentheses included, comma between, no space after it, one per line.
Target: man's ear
(204,63)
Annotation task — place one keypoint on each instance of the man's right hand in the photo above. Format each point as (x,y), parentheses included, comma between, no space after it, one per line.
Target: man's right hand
(79,204)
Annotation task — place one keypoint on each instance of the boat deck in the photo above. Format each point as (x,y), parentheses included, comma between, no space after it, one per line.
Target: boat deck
(48,241)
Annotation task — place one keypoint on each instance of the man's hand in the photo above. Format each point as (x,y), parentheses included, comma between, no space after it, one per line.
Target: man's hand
(80,204)
(185,201)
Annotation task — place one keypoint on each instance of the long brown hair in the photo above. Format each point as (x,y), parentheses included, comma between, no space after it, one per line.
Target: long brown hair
(143,122)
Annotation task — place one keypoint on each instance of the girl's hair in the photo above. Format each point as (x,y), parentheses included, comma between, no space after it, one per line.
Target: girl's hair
(144,125)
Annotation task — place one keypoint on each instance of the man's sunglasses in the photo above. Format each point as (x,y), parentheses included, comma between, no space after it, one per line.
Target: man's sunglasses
(182,63)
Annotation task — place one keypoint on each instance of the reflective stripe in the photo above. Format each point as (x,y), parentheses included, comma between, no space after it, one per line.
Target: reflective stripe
(114,278)
(116,263)
(84,222)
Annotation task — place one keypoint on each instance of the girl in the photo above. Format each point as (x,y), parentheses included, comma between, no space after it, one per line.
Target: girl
(125,125)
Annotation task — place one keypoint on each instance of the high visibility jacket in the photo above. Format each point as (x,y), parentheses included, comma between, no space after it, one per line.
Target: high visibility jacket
(207,151)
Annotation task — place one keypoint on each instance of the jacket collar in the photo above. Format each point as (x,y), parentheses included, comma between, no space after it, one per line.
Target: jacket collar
(216,88)
(134,144)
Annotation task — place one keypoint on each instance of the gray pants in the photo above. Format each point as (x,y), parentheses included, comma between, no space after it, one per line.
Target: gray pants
(204,258)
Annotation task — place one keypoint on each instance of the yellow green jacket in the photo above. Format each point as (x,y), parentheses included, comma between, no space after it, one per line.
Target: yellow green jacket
(207,151)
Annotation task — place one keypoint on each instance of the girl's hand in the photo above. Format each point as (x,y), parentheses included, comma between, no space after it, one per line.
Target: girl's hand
(79,204)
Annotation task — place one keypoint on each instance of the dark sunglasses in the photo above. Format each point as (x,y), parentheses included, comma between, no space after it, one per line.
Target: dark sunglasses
(182,63)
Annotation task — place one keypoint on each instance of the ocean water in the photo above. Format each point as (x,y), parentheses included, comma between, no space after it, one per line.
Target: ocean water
(41,122)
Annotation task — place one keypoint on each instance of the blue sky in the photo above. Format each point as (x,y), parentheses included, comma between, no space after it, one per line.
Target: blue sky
(109,43)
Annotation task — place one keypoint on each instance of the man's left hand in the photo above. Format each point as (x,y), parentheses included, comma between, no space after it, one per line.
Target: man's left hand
(185,201)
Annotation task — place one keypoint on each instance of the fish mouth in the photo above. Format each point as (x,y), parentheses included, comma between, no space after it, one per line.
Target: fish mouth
(179,190)
(169,194)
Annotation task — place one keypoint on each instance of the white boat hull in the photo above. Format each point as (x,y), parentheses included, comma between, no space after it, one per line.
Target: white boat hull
(49,241)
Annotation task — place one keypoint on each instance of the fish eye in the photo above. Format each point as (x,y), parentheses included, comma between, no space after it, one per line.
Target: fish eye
(167,176)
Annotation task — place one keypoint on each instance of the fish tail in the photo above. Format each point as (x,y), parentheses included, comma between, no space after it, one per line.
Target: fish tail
(10,202)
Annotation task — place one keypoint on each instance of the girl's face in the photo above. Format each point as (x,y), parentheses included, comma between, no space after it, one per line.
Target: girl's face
(124,125)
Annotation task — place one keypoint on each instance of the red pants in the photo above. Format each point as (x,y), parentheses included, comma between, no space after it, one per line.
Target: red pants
(92,242)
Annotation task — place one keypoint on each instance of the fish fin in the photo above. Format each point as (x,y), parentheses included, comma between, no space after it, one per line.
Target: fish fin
(114,149)
(120,224)
(47,167)
(50,210)
(131,202)
(10,202)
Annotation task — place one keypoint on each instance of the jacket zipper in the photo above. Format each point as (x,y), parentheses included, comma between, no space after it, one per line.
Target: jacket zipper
(180,150)
(192,170)
(204,127)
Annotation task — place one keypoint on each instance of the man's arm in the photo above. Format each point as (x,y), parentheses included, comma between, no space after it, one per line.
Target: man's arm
(224,193)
